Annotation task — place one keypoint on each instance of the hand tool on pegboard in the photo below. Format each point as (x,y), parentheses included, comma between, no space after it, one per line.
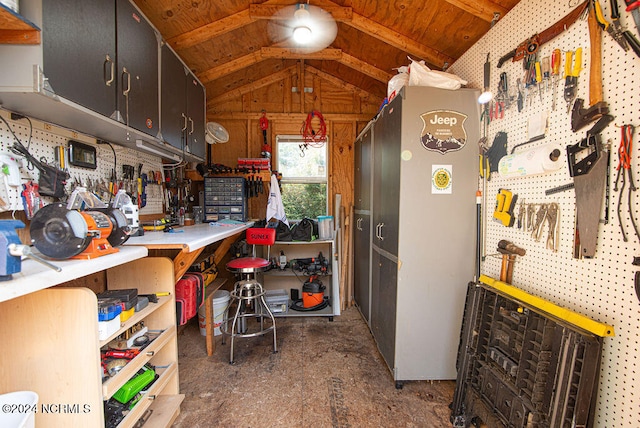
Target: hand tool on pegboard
(589,179)
(505,203)
(625,168)
(633,6)
(509,252)
(572,68)
(598,109)
(613,28)
(532,44)
(556,59)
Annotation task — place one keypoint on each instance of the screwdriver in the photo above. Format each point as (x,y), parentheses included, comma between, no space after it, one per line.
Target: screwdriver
(539,79)
(545,72)
(556,58)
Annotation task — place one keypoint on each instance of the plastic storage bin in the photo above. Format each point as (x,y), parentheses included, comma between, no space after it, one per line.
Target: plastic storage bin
(325,227)
(277,301)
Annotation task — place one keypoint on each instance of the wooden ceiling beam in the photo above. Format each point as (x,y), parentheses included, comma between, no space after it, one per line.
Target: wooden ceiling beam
(338,82)
(483,9)
(365,68)
(241,90)
(211,30)
(266,53)
(289,117)
(267,11)
(398,40)
(294,53)
(230,67)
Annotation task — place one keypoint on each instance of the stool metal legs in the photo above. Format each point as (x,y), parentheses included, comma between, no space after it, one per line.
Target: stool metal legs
(248,295)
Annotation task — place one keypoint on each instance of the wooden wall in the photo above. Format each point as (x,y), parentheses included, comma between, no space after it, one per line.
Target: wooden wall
(346,110)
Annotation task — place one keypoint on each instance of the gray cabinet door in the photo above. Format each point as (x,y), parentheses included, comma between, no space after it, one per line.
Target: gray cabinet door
(384,285)
(137,70)
(386,177)
(362,178)
(196,117)
(79,52)
(173,99)
(361,276)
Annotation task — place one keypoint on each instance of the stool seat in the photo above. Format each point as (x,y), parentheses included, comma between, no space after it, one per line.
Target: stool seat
(248,265)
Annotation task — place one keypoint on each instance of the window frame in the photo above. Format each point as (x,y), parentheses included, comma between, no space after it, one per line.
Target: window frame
(299,139)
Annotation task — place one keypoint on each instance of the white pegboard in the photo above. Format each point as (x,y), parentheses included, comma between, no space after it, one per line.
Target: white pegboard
(44,139)
(603,287)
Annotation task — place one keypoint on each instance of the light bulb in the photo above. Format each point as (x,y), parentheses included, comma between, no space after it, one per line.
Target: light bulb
(302,35)
(485,97)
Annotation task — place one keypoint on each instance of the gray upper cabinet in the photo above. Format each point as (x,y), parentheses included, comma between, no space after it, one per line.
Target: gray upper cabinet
(103,55)
(79,52)
(182,105)
(98,71)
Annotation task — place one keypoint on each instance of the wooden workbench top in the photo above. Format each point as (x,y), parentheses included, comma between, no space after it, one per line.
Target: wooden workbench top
(188,238)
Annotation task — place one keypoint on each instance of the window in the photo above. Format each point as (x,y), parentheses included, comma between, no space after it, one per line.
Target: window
(304,172)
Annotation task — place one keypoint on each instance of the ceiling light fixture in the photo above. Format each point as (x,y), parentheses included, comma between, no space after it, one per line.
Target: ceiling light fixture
(302,35)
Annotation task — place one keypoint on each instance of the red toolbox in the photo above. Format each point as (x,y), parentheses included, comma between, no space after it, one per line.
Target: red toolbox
(199,277)
(186,291)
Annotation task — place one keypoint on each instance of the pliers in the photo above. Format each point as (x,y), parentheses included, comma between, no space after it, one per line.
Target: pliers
(614,28)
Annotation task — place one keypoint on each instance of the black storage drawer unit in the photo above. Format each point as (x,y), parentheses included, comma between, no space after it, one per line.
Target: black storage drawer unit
(225,198)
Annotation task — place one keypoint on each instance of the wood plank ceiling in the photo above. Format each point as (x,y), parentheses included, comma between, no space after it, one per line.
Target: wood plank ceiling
(226,42)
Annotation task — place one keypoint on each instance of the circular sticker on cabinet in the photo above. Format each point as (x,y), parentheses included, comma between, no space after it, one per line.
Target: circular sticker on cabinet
(149,123)
(441,178)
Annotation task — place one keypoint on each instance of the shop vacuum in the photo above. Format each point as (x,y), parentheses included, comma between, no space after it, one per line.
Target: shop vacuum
(312,296)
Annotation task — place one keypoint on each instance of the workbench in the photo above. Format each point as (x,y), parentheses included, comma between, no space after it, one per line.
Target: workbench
(34,276)
(190,241)
(184,245)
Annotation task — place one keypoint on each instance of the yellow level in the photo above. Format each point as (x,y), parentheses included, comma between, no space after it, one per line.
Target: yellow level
(580,321)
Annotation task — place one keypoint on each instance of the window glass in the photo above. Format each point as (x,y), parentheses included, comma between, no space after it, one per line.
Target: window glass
(304,172)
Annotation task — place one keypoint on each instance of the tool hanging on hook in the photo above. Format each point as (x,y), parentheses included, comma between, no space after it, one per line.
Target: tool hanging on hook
(264,125)
(624,167)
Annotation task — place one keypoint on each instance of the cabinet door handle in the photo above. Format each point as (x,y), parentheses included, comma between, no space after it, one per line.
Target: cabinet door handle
(108,80)
(185,122)
(151,397)
(191,120)
(378,226)
(358,224)
(151,353)
(125,92)
(380,234)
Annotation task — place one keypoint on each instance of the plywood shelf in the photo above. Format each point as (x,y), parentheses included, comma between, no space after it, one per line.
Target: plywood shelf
(15,29)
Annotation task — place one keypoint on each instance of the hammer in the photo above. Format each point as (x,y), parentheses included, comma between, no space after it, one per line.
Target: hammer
(509,252)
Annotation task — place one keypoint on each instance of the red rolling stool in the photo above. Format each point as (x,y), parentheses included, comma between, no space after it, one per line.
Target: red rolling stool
(248,294)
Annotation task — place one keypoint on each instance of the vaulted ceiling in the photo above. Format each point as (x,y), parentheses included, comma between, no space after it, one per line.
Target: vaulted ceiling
(226,42)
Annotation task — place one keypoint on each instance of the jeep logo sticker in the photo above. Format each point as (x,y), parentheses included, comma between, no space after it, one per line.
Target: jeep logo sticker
(443,131)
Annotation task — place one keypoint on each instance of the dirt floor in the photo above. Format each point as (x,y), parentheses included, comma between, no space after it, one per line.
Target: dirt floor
(325,374)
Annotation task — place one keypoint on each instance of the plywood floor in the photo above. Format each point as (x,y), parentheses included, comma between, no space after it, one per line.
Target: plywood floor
(326,374)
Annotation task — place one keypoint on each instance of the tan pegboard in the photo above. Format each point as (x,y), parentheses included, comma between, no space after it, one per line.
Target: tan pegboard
(45,137)
(603,287)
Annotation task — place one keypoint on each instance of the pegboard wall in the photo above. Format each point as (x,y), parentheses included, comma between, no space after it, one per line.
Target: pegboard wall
(601,288)
(46,137)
